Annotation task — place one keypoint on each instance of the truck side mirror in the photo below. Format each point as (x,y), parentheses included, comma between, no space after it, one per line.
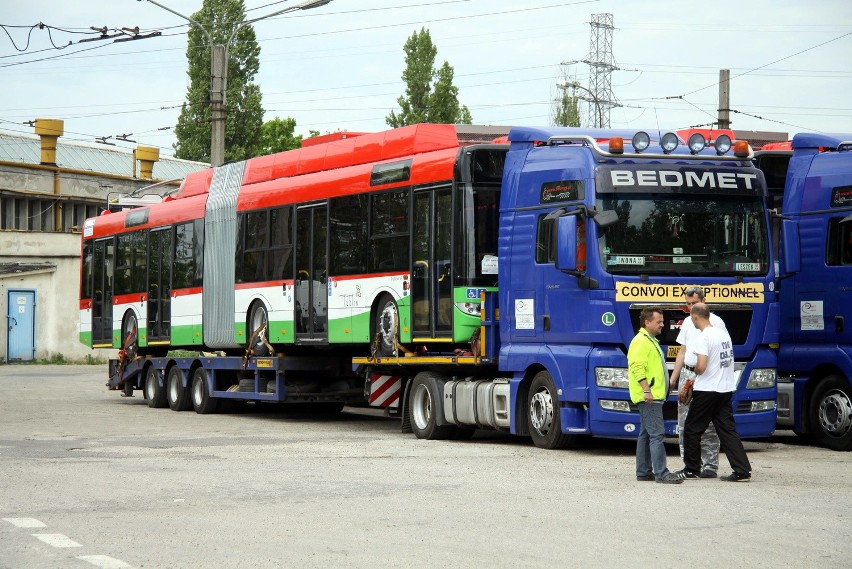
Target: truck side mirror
(791,251)
(566,243)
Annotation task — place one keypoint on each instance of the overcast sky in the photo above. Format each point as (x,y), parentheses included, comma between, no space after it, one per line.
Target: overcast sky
(338,67)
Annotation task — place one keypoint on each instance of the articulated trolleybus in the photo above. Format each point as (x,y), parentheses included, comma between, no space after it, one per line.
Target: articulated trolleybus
(588,235)
(276,270)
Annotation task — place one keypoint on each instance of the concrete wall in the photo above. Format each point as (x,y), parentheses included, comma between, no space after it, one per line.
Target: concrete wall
(57,291)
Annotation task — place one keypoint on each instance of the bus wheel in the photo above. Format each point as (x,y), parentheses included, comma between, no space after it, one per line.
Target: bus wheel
(130,336)
(386,326)
(543,416)
(154,392)
(258,320)
(201,399)
(831,413)
(425,405)
(176,393)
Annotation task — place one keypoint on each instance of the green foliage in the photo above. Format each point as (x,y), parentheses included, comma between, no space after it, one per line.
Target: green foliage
(567,110)
(430,95)
(278,136)
(244,122)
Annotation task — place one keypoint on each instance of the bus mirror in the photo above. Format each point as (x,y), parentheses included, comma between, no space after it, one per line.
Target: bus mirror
(791,252)
(566,243)
(606,218)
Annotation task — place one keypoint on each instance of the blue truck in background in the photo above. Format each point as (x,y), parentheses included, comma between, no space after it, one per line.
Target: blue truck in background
(810,186)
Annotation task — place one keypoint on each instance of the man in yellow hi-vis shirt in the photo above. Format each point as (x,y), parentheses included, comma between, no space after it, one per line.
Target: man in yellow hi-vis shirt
(649,387)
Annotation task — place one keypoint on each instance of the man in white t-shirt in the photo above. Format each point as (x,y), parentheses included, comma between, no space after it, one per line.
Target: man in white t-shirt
(715,383)
(684,370)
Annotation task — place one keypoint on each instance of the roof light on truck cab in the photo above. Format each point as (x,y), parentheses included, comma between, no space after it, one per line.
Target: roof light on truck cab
(669,142)
(641,141)
(696,142)
(722,144)
(616,145)
(741,149)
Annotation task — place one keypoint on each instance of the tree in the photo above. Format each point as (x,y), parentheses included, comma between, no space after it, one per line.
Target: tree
(567,110)
(430,95)
(278,136)
(244,116)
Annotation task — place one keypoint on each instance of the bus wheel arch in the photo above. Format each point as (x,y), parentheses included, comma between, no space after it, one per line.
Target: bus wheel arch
(130,334)
(830,411)
(384,327)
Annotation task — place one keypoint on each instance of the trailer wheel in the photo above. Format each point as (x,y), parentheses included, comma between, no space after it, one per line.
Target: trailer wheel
(201,398)
(177,395)
(386,326)
(155,393)
(425,404)
(543,416)
(831,413)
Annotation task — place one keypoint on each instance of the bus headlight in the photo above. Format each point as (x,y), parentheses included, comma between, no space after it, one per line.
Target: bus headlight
(761,378)
(471,308)
(611,377)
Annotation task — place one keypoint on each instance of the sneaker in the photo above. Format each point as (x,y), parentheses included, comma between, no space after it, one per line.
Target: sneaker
(685,474)
(670,478)
(707,473)
(645,478)
(736,477)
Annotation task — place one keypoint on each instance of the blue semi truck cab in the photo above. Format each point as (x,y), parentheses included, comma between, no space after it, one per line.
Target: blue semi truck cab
(811,186)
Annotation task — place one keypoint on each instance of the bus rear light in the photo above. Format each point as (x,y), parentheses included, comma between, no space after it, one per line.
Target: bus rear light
(616,145)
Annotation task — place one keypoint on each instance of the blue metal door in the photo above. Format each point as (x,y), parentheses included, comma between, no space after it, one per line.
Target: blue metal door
(20,322)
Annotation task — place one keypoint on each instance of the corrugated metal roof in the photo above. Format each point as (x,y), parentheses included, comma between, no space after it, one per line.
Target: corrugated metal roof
(26,149)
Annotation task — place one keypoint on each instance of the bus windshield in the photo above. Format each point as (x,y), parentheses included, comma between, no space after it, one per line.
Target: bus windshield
(684,235)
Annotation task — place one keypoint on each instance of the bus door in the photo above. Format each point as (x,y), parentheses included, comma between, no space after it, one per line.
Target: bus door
(311,302)
(159,285)
(102,276)
(431,286)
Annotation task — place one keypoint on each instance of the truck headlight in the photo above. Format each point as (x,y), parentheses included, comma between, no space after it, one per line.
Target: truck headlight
(612,377)
(761,378)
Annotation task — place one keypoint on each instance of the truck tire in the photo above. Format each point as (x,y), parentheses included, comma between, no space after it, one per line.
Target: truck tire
(177,395)
(543,418)
(831,413)
(425,405)
(202,401)
(155,392)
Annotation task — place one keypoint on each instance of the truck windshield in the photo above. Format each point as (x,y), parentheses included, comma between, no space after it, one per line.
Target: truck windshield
(684,235)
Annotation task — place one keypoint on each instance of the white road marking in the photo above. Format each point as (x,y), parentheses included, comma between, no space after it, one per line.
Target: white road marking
(57,540)
(104,561)
(24,522)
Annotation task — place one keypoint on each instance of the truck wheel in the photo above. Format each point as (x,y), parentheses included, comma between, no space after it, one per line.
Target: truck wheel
(154,392)
(831,413)
(543,416)
(176,394)
(425,404)
(386,326)
(201,399)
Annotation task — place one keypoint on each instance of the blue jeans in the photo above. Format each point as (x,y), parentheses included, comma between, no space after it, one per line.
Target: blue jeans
(650,447)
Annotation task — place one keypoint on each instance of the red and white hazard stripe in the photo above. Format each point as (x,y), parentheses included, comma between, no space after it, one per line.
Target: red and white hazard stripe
(384,390)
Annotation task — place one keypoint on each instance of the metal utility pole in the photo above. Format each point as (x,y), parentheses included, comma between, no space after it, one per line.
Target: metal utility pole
(219,73)
(602,65)
(724,99)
